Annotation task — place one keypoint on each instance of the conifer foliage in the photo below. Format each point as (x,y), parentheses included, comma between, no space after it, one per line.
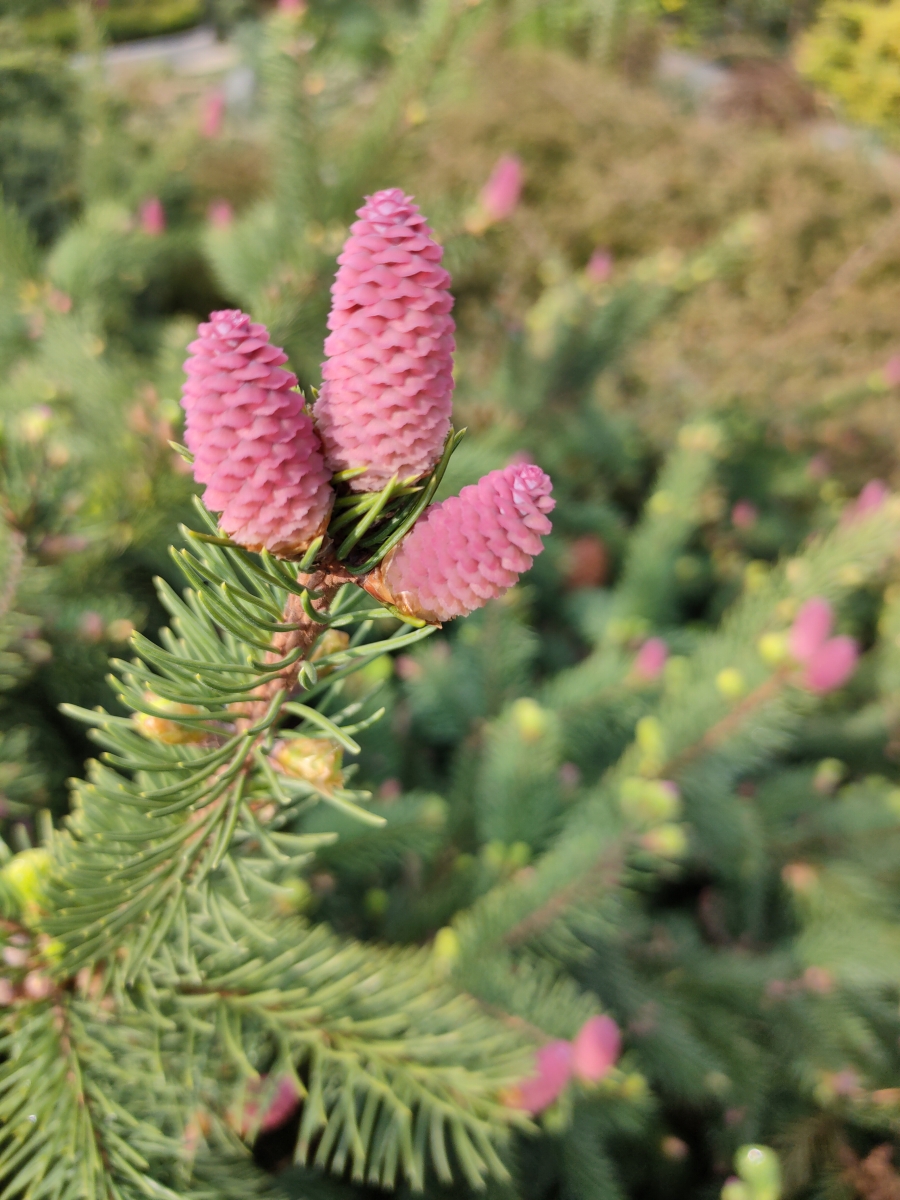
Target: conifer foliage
(148,940)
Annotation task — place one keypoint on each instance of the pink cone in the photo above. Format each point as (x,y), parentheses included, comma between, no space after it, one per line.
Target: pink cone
(254,446)
(499,197)
(152,217)
(388,378)
(744,515)
(600,266)
(869,501)
(553,1069)
(213,113)
(892,371)
(596,1049)
(831,665)
(650,659)
(810,629)
(220,214)
(473,547)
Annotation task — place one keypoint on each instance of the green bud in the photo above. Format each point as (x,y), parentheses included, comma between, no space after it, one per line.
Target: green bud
(25,874)
(648,801)
(652,746)
(531,721)
(376,901)
(445,947)
(759,1167)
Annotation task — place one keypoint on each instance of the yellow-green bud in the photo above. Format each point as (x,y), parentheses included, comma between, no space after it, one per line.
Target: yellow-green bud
(755,574)
(731,683)
(376,901)
(773,648)
(645,801)
(759,1167)
(445,947)
(530,719)
(651,743)
(666,841)
(25,875)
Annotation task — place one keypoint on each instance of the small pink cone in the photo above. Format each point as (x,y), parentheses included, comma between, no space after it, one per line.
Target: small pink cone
(596,1049)
(500,195)
(152,217)
(213,114)
(869,501)
(282,1105)
(831,665)
(892,371)
(744,515)
(220,214)
(650,659)
(810,628)
(600,266)
(553,1069)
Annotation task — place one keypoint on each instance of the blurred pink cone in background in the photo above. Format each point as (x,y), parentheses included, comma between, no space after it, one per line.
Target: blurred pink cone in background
(500,195)
(596,1049)
(810,629)
(553,1069)
(213,113)
(869,500)
(152,217)
(651,658)
(599,266)
(282,1105)
(831,665)
(892,371)
(829,661)
(220,214)
(292,6)
(744,515)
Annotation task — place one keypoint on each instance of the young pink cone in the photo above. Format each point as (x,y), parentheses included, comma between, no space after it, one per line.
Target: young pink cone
(471,548)
(152,217)
(600,266)
(869,501)
(220,214)
(831,664)
(212,114)
(892,371)
(596,1049)
(553,1069)
(388,376)
(254,447)
(744,515)
(650,659)
(500,195)
(810,629)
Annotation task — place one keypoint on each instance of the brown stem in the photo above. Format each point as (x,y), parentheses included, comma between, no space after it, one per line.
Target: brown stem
(327,582)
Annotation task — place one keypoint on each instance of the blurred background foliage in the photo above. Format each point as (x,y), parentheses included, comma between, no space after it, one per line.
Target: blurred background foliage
(703,270)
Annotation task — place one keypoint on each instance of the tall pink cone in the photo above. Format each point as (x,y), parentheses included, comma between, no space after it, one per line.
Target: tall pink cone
(254,447)
(553,1069)
(471,548)
(596,1049)
(811,628)
(388,376)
